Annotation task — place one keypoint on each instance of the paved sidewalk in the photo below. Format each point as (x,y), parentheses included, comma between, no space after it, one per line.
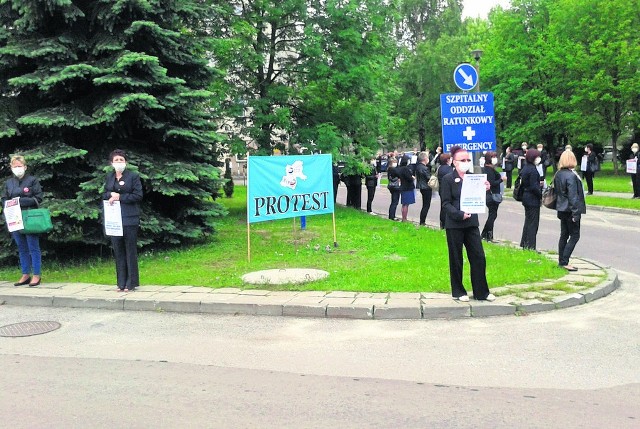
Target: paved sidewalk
(589,283)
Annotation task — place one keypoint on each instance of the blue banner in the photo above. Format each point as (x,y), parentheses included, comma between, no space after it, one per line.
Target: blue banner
(281,187)
(468,121)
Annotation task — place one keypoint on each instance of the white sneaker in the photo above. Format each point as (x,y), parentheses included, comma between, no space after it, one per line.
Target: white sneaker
(491,297)
(463,298)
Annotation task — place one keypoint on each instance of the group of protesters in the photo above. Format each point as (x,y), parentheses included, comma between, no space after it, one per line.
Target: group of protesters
(411,172)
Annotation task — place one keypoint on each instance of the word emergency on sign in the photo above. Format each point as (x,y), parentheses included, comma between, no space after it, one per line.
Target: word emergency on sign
(468,121)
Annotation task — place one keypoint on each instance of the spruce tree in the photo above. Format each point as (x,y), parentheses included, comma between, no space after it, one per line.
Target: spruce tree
(79,78)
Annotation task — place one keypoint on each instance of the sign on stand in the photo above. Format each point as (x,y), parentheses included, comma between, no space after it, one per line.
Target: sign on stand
(468,121)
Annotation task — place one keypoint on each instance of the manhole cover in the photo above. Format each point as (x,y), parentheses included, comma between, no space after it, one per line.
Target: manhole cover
(26,329)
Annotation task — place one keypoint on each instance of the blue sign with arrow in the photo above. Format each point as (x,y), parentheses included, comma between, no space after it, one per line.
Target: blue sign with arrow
(465,76)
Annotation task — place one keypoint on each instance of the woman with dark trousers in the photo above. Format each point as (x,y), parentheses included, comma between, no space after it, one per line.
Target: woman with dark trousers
(495,179)
(531,183)
(444,169)
(125,186)
(371,181)
(509,163)
(423,174)
(392,175)
(591,168)
(27,188)
(462,230)
(570,206)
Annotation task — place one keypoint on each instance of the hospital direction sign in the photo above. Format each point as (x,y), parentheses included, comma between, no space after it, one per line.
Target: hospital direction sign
(468,121)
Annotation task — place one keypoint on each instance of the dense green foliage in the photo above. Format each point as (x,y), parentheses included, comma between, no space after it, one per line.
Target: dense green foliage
(81,78)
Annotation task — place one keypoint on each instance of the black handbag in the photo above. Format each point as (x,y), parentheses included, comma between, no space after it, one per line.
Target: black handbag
(394,184)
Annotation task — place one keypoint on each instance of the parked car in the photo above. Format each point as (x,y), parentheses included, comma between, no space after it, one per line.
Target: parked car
(607,153)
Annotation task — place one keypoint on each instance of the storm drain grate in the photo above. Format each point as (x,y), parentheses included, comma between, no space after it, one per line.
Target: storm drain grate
(27,329)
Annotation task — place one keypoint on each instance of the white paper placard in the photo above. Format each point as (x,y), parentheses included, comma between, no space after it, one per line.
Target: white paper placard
(473,195)
(112,218)
(583,163)
(13,214)
(632,166)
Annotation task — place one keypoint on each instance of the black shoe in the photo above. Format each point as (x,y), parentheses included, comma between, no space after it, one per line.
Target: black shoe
(26,282)
(35,283)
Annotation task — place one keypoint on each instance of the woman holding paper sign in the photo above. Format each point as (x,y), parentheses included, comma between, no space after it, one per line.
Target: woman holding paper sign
(462,230)
(125,186)
(531,198)
(635,177)
(28,189)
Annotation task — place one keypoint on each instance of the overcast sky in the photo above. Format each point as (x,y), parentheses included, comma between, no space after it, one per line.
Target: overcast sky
(480,8)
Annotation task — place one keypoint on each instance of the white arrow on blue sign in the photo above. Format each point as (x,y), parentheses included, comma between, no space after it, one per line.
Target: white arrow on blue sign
(465,77)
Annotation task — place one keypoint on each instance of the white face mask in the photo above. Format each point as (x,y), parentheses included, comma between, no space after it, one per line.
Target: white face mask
(465,167)
(494,161)
(119,166)
(18,171)
(634,149)
(538,161)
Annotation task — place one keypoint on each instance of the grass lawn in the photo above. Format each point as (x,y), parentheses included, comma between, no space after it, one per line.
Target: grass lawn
(374,255)
(606,181)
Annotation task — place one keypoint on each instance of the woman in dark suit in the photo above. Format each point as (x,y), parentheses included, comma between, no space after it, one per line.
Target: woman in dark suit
(392,175)
(531,183)
(125,186)
(407,190)
(495,179)
(570,206)
(462,230)
(635,178)
(28,189)
(590,172)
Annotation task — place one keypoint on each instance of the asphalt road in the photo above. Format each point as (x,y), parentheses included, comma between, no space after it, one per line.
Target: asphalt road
(571,368)
(610,238)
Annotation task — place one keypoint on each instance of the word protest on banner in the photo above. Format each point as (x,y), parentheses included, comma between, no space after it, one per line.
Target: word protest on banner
(282,187)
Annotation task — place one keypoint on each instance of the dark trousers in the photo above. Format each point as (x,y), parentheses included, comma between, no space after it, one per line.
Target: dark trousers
(125,252)
(530,228)
(487,231)
(371,192)
(635,182)
(335,191)
(509,178)
(588,176)
(395,198)
(354,196)
(426,204)
(569,236)
(470,239)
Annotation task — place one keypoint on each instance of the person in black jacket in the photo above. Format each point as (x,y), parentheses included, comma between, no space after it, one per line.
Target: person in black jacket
(570,206)
(590,172)
(393,177)
(423,174)
(407,190)
(28,189)
(371,181)
(495,179)
(531,198)
(125,186)
(444,169)
(462,230)
(508,165)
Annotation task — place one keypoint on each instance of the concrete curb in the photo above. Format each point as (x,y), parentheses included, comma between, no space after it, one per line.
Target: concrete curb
(316,304)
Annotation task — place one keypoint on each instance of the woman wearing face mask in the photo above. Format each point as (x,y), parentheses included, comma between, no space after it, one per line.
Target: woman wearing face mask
(28,189)
(125,186)
(462,230)
(531,198)
(393,176)
(444,169)
(635,178)
(495,179)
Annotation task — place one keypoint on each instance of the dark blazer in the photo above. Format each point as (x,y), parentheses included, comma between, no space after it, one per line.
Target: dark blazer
(28,189)
(450,197)
(569,193)
(130,189)
(443,171)
(422,176)
(510,161)
(530,182)
(406,178)
(494,179)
